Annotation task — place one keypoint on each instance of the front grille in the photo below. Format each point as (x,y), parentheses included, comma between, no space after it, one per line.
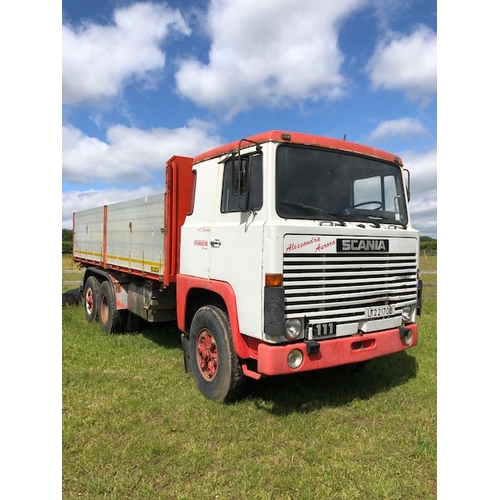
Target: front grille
(332,292)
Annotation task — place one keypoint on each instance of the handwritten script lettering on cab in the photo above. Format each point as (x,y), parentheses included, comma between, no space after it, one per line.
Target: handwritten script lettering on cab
(312,244)
(301,244)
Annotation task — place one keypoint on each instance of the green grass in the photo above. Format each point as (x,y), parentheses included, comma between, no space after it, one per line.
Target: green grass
(134,425)
(71,273)
(428,262)
(68,264)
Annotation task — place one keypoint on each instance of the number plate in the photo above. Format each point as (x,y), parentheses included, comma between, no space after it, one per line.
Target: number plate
(379,312)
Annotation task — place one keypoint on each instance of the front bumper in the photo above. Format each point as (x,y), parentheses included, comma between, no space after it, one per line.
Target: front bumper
(272,359)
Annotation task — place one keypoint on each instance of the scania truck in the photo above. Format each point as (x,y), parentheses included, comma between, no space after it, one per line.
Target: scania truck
(278,253)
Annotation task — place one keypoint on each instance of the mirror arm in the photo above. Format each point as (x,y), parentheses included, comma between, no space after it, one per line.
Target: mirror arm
(408,185)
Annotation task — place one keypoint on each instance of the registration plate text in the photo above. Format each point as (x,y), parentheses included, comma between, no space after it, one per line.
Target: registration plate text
(379,311)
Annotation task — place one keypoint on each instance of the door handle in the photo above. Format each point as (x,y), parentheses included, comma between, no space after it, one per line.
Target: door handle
(215,243)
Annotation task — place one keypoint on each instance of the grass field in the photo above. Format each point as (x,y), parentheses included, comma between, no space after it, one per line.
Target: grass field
(134,426)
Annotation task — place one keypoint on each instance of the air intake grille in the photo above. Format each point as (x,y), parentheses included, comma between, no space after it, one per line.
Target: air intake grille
(335,289)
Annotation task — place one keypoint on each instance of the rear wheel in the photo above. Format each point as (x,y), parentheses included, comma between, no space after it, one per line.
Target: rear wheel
(91,298)
(215,366)
(110,318)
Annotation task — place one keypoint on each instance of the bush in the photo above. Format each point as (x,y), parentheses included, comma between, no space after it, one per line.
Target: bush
(428,245)
(67,241)
(67,247)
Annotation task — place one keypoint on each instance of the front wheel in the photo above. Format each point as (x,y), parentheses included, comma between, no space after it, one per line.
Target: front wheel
(215,366)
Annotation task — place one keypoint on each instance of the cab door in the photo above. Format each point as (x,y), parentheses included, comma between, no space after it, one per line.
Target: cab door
(236,238)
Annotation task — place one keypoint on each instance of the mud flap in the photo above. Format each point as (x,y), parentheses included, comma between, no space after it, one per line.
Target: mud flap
(185,351)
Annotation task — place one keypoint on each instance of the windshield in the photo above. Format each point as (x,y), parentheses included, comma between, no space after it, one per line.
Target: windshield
(322,184)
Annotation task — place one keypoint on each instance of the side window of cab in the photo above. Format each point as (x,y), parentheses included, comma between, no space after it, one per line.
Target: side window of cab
(242,184)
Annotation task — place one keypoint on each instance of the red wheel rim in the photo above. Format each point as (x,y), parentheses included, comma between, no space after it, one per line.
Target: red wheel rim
(207,355)
(104,311)
(89,300)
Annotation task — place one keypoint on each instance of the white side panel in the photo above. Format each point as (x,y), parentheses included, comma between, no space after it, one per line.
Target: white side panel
(135,234)
(88,234)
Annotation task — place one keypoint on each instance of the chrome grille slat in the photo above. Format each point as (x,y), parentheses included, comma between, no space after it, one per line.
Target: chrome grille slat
(313,287)
(295,303)
(311,281)
(344,272)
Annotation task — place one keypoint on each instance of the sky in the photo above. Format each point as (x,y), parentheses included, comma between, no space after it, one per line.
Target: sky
(143,81)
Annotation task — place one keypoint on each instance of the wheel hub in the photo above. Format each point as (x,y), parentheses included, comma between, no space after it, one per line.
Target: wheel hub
(89,301)
(207,355)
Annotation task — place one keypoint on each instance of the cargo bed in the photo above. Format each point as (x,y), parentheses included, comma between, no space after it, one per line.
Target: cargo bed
(141,236)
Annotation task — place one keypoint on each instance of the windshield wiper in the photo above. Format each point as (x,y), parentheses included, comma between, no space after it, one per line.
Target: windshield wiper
(361,218)
(315,210)
(386,220)
(296,204)
(376,220)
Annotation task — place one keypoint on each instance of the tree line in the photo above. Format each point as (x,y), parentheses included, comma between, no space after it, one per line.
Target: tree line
(428,244)
(67,241)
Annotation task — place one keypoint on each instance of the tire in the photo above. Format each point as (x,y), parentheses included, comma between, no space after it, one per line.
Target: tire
(91,294)
(71,298)
(214,364)
(110,318)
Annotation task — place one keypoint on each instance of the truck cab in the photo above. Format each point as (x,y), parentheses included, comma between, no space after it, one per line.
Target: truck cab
(304,244)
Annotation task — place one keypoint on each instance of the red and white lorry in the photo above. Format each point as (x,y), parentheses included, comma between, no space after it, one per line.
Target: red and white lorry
(278,253)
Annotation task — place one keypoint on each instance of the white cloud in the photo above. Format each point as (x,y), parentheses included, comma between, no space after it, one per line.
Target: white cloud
(403,127)
(423,168)
(423,190)
(268,53)
(97,61)
(407,64)
(129,154)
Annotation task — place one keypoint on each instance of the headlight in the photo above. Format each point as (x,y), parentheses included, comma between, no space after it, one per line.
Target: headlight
(293,328)
(406,335)
(295,358)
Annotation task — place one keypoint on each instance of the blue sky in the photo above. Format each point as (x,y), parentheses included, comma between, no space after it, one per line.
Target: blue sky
(142,81)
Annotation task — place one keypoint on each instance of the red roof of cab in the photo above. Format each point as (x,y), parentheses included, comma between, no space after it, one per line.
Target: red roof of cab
(300,138)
